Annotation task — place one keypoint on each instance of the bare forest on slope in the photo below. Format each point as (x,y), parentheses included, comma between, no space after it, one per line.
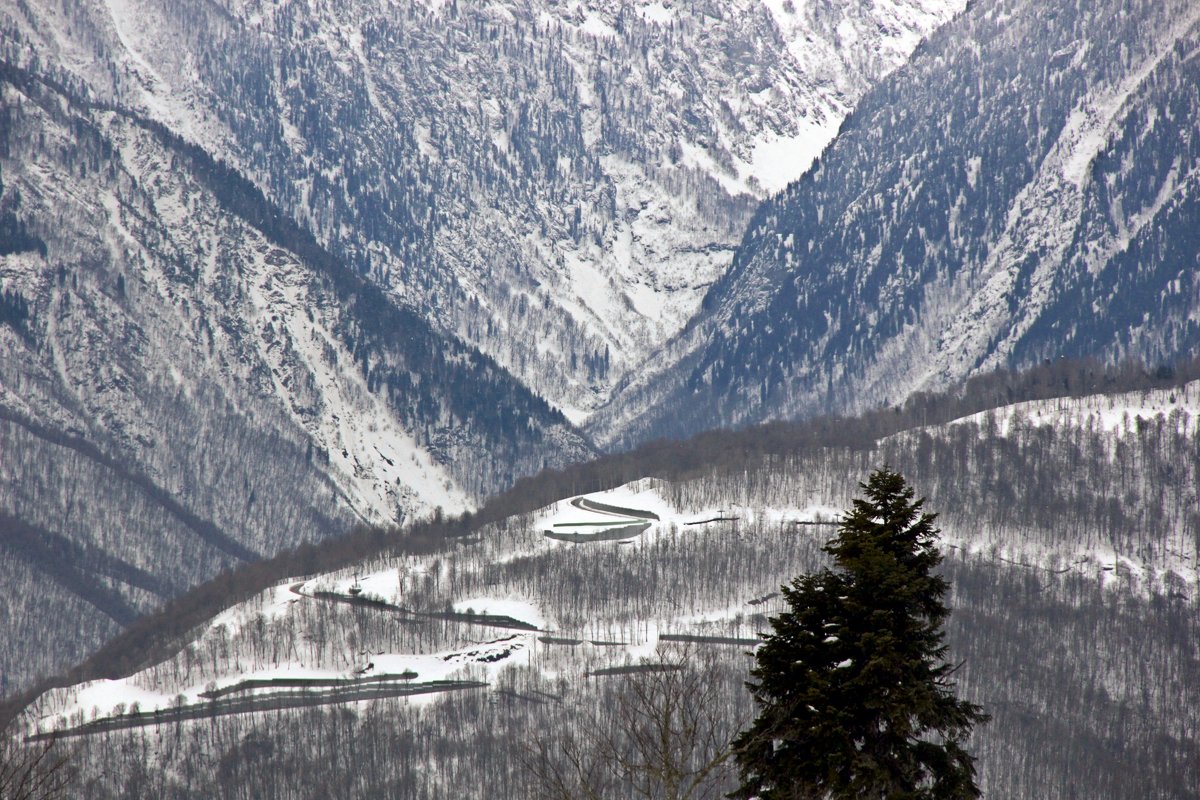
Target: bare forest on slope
(1071,535)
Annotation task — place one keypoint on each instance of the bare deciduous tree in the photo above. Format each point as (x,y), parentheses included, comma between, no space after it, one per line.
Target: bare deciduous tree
(662,733)
(32,771)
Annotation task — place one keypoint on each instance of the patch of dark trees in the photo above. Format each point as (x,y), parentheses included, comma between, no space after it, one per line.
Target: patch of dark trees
(14,310)
(16,238)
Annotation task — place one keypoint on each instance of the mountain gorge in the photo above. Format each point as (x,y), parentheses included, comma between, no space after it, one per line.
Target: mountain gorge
(556,184)
(1024,189)
(270,270)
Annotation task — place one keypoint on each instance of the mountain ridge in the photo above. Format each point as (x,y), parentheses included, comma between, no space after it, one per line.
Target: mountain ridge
(182,364)
(968,216)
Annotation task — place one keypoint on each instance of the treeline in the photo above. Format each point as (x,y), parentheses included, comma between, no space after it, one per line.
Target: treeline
(155,637)
(14,309)
(16,238)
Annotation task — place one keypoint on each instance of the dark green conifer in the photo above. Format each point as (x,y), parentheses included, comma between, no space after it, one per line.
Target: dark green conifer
(853,687)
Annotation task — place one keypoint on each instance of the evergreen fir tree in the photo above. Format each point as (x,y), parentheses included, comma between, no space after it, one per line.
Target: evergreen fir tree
(853,688)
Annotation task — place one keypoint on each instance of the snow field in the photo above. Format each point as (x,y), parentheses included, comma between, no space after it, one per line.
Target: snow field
(564,646)
(1121,414)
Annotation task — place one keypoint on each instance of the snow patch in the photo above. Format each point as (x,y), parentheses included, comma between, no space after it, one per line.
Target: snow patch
(657,13)
(1121,414)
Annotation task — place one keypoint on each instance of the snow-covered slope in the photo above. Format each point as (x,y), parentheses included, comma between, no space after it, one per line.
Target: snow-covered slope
(1152,432)
(1130,414)
(530,627)
(558,183)
(1073,565)
(186,382)
(1026,188)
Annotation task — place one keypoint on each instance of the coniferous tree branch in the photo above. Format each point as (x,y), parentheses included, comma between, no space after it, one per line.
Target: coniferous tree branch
(853,683)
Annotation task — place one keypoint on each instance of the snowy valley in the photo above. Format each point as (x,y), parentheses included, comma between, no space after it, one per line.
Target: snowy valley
(556,184)
(273,269)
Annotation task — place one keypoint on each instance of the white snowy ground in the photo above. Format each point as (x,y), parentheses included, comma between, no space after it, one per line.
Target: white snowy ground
(104,698)
(647,495)
(1118,414)
(1170,567)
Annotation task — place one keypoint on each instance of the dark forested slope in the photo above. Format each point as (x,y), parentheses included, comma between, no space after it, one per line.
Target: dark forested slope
(1026,188)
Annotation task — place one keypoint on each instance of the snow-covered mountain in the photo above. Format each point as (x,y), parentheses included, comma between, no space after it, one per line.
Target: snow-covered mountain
(556,183)
(187,381)
(1026,188)
(267,269)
